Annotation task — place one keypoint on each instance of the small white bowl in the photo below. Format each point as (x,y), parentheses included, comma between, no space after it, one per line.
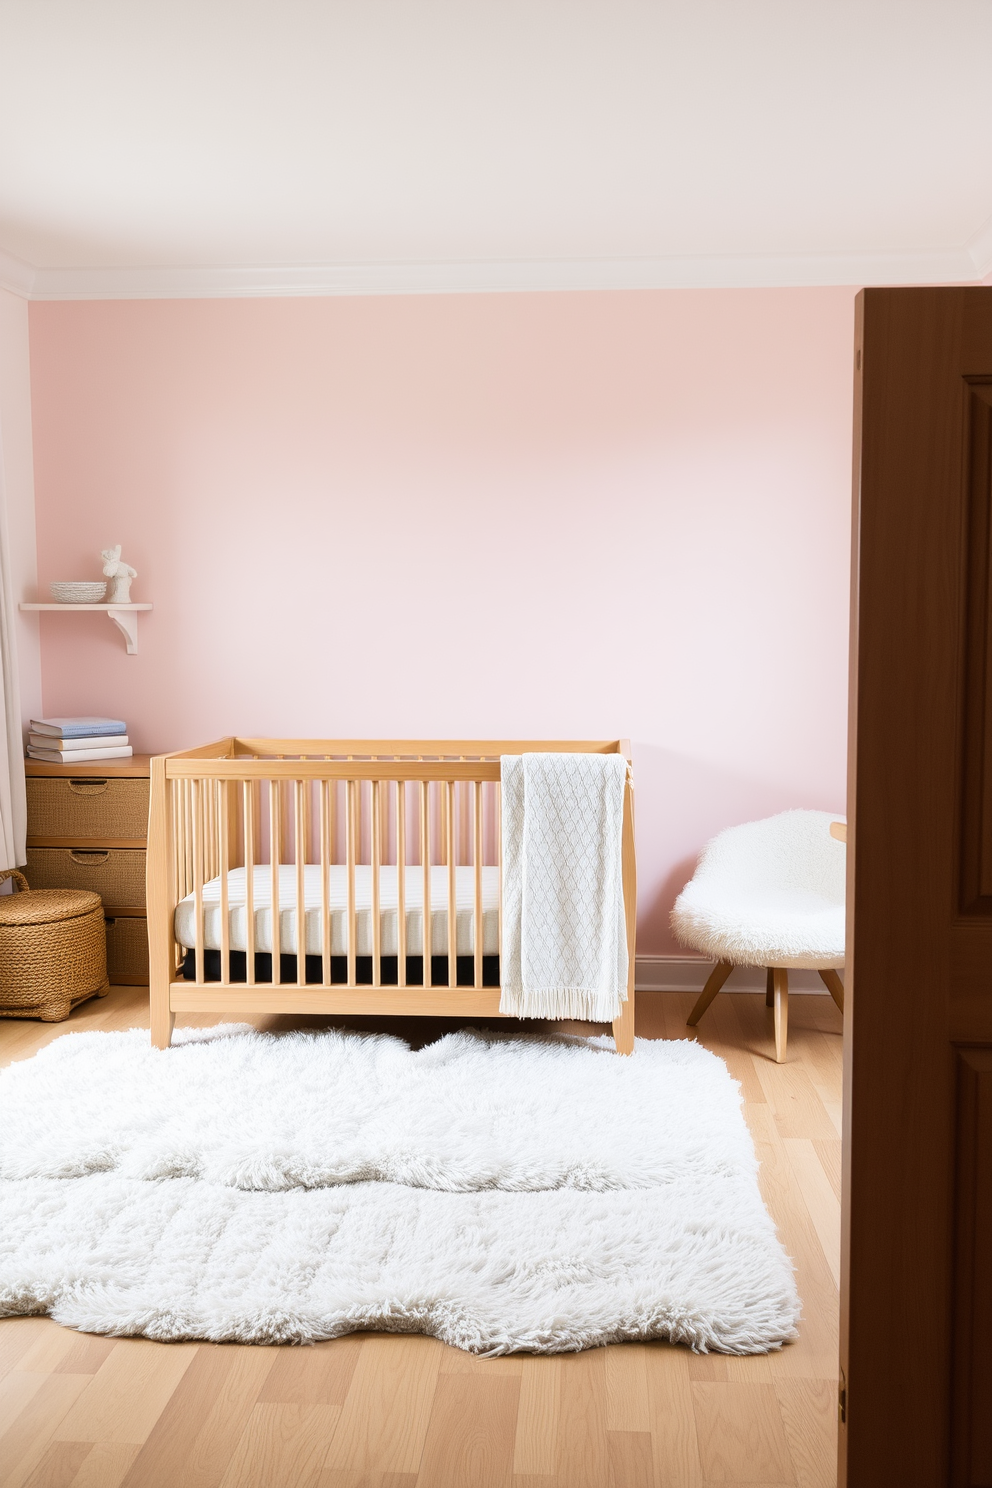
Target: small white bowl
(78,591)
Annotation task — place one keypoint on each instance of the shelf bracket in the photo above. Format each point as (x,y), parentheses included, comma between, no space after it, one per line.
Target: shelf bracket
(127,623)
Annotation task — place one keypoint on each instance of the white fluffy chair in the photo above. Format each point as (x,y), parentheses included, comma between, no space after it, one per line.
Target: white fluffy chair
(769,893)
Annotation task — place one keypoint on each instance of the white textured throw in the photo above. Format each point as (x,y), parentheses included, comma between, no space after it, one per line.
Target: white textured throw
(497,1192)
(564,952)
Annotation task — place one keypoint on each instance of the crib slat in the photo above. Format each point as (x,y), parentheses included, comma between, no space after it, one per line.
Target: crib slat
(196,804)
(499,864)
(477,865)
(224,826)
(249,810)
(275,803)
(332,818)
(401,883)
(350,830)
(449,794)
(300,828)
(358,815)
(425,858)
(325,870)
(376,845)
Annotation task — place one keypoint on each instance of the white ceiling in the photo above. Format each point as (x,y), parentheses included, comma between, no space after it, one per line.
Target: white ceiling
(294,146)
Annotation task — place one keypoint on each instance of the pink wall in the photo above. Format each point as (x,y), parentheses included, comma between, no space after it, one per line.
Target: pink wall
(548,514)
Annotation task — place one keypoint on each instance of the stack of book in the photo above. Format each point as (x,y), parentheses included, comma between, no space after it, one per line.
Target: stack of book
(67,741)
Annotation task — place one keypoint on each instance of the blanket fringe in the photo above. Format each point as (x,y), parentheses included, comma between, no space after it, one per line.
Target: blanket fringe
(563,1002)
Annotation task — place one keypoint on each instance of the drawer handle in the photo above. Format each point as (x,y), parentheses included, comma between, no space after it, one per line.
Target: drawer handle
(88,787)
(89,859)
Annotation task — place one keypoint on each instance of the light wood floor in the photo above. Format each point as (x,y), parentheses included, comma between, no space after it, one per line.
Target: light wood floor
(384,1411)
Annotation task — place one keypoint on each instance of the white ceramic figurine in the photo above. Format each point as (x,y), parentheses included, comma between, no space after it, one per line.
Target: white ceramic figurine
(120,576)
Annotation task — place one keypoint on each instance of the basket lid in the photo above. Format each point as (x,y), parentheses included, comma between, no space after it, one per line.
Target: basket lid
(44,906)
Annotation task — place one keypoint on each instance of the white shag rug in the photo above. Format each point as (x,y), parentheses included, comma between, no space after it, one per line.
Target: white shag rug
(498,1192)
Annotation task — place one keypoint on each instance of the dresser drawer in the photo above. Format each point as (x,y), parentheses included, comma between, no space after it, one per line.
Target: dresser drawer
(87,807)
(127,950)
(116,874)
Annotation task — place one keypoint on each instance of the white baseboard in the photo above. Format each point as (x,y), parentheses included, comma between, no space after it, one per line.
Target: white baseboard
(688,974)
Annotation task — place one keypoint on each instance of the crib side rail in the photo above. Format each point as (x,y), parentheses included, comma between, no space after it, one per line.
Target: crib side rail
(443,749)
(383,839)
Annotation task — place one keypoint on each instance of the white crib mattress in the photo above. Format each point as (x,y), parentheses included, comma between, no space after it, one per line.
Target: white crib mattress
(338,898)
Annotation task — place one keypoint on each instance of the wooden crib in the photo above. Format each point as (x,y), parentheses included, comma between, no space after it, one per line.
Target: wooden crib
(275,825)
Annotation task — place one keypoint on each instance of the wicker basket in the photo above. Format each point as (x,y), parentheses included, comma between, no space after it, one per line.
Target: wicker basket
(53,951)
(127,951)
(116,874)
(77,809)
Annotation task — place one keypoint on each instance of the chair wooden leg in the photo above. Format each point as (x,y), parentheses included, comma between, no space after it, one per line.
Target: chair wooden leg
(769,989)
(714,982)
(780,984)
(834,986)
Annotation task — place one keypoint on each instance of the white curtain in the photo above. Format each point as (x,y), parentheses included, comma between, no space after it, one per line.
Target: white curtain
(13,807)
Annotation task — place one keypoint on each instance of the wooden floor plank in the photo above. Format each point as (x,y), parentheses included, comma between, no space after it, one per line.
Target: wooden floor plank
(318,1375)
(26,1439)
(470,1437)
(334,1477)
(792,1096)
(630,1460)
(18,1335)
(385,1411)
(106,1465)
(536,1444)
(673,1425)
(59,1465)
(628,1404)
(282,1446)
(822,1204)
(829,1154)
(741,1435)
(809,1414)
(17,1389)
(128,1393)
(193,1440)
(581,1458)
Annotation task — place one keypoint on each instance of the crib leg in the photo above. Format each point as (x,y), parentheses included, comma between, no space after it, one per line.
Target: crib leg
(623,1027)
(163,1019)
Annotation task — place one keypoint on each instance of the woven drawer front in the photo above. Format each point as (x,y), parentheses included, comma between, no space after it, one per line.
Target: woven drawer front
(127,951)
(60,807)
(116,874)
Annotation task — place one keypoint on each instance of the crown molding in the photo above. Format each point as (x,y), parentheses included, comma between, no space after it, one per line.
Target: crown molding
(16,276)
(962,265)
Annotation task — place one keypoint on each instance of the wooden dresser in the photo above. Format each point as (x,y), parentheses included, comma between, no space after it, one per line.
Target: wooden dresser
(87,829)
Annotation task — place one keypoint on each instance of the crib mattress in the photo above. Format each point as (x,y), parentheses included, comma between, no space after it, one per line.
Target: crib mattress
(185,921)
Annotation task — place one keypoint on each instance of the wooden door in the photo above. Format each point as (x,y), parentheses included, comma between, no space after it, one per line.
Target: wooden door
(916,1344)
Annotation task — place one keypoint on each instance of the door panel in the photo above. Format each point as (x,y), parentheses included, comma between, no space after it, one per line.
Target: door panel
(972,1392)
(918,1120)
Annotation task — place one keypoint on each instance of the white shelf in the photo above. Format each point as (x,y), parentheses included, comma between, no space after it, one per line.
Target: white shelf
(124,616)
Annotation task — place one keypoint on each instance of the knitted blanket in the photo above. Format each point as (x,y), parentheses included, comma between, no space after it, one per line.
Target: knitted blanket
(564,950)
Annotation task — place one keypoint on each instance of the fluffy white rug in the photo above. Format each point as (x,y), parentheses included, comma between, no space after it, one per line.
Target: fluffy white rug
(500,1193)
